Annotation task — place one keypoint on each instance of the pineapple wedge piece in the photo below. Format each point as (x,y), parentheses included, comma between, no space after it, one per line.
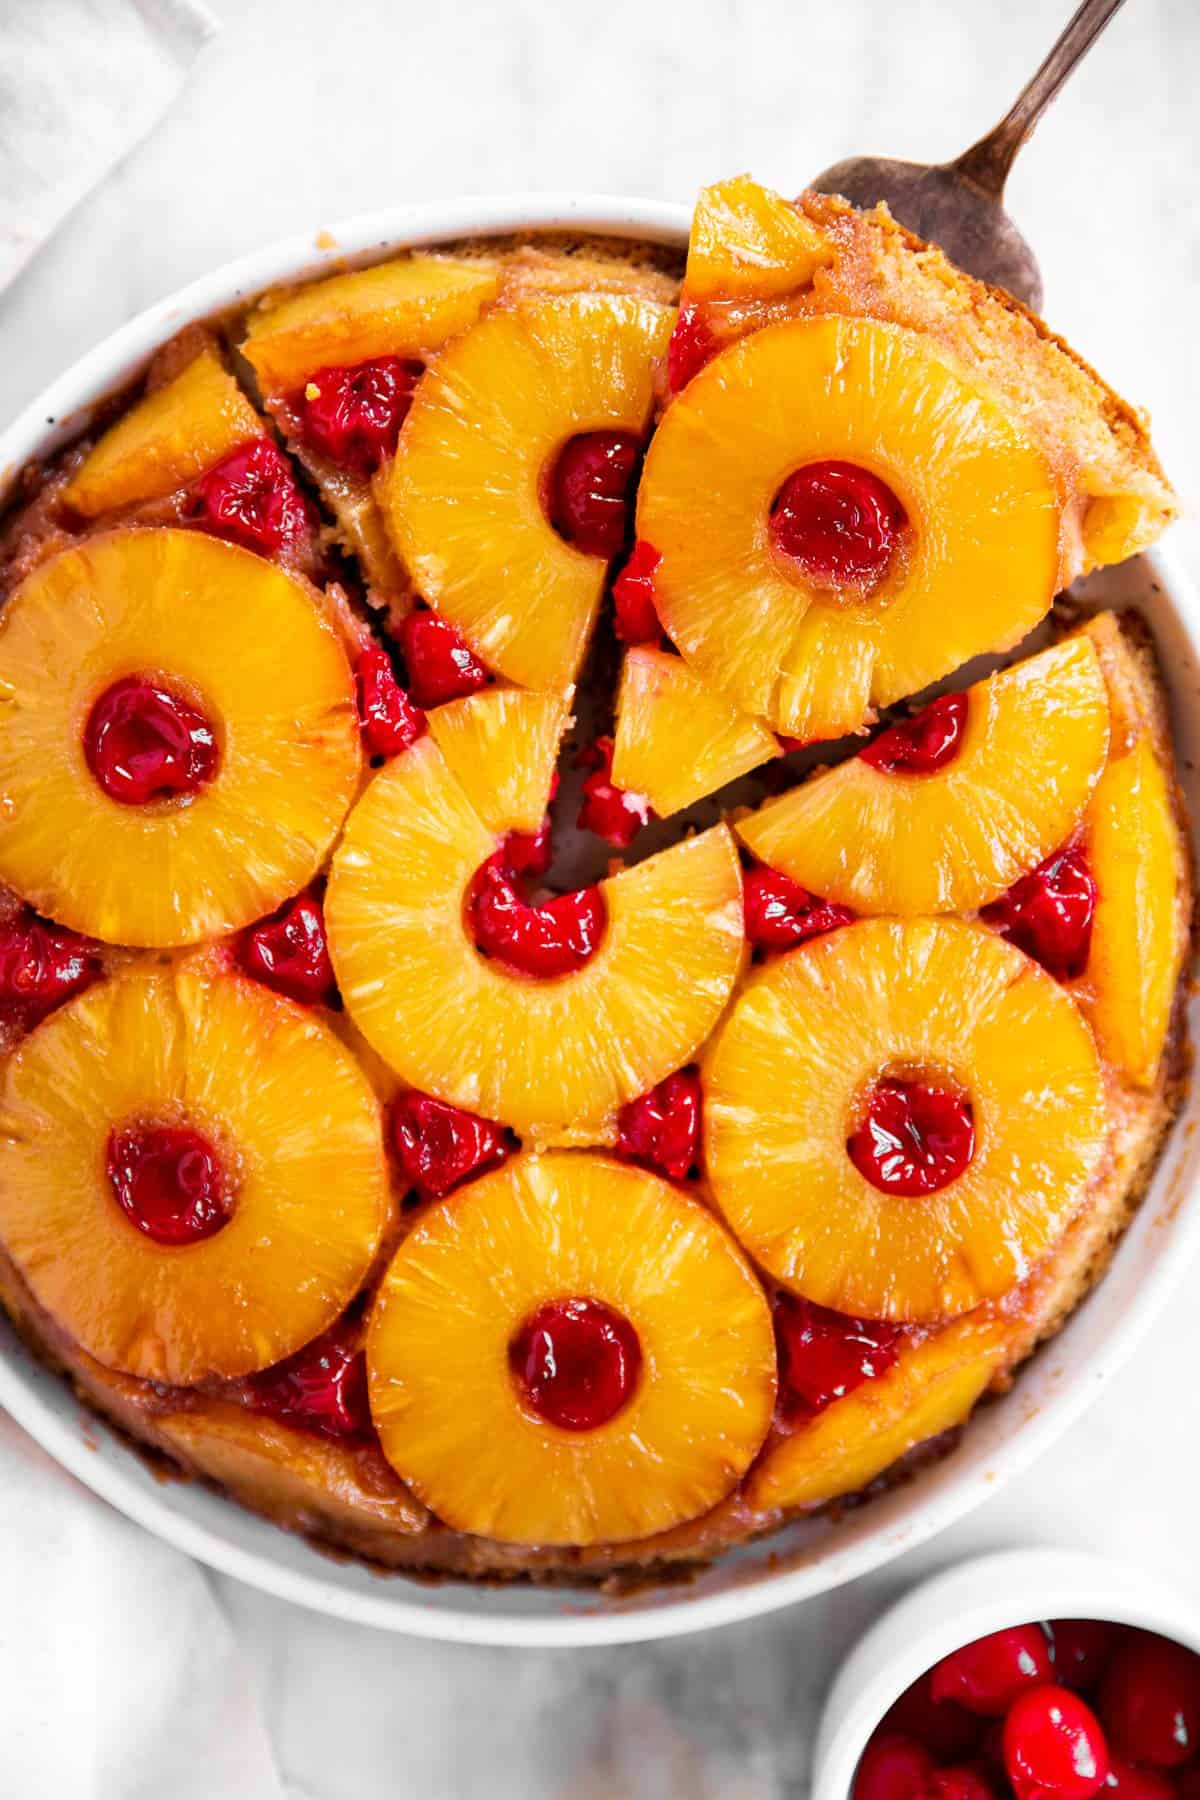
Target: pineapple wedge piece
(293,1476)
(553,1059)
(786,1078)
(402,308)
(677,739)
(294,1119)
(1138,944)
(932,1388)
(253,646)
(172,435)
(748,242)
(464,493)
(501,745)
(1031,753)
(450,1412)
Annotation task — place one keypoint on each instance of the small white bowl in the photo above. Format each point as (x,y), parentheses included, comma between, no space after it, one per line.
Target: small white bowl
(809,1557)
(990,1593)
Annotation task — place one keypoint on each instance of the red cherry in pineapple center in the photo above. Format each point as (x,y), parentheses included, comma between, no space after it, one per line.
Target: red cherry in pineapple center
(169,1182)
(840,523)
(914,1136)
(576,1363)
(588,490)
(922,745)
(555,938)
(144,742)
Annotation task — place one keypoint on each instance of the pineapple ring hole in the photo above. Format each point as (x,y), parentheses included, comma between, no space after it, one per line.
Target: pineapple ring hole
(840,526)
(586,488)
(913,1132)
(170,1181)
(145,741)
(545,941)
(576,1363)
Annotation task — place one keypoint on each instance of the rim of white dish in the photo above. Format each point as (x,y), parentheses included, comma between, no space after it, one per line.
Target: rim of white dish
(566,1616)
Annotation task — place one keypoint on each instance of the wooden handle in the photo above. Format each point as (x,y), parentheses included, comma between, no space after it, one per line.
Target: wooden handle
(988,162)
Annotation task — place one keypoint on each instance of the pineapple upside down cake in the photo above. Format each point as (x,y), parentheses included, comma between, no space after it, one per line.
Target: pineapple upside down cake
(500,1178)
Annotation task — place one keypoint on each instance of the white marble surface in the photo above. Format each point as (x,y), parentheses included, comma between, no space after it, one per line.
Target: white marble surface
(307,110)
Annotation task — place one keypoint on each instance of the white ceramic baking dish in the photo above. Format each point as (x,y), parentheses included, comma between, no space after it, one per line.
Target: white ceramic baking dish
(807,1558)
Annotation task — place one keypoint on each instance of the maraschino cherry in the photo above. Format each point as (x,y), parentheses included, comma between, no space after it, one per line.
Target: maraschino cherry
(693,343)
(839,523)
(637,620)
(289,953)
(391,722)
(438,1145)
(169,1182)
(613,813)
(576,1363)
(589,489)
(986,1676)
(144,742)
(914,1136)
(661,1128)
(825,1355)
(251,497)
(779,912)
(1150,1701)
(41,965)
(322,1388)
(1054,1747)
(924,744)
(1081,1650)
(1049,913)
(441,664)
(353,415)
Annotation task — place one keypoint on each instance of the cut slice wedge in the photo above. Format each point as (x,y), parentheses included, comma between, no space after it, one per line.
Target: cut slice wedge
(554,1059)
(464,497)
(980,507)
(879,841)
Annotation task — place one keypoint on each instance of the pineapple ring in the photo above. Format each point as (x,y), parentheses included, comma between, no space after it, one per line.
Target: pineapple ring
(251,643)
(299,1127)
(471,1273)
(981,566)
(1032,752)
(784,1081)
(464,500)
(553,1059)
(932,1388)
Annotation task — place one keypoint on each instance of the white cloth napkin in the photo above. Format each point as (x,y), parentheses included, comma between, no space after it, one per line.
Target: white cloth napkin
(120,1678)
(81,81)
